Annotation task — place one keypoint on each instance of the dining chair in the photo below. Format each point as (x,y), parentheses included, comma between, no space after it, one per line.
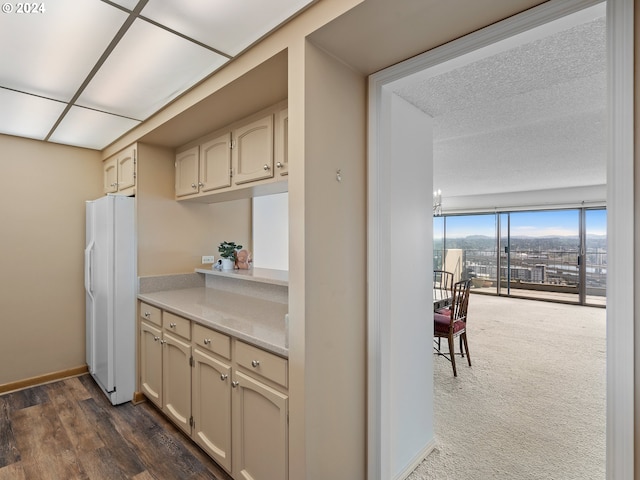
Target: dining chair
(442,286)
(452,323)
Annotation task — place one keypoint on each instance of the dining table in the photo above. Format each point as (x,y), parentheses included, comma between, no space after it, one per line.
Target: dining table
(441,299)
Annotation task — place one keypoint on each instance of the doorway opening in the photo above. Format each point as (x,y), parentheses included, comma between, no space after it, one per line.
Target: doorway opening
(385,88)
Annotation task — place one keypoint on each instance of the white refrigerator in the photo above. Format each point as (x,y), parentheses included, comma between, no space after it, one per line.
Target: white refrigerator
(110,285)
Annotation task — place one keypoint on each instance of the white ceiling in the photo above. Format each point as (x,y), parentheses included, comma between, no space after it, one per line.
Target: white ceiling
(524,114)
(84,72)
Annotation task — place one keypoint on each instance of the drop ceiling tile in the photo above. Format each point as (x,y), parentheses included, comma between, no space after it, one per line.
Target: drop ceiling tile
(27,116)
(51,53)
(229,26)
(128,4)
(87,128)
(148,68)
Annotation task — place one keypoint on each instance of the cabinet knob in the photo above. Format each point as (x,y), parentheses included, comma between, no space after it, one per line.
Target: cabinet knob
(207,341)
(155,339)
(224,376)
(266,167)
(147,314)
(235,384)
(255,363)
(172,325)
(162,342)
(200,184)
(194,186)
(279,165)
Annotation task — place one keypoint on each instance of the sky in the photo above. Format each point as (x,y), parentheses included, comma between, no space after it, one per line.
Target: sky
(538,224)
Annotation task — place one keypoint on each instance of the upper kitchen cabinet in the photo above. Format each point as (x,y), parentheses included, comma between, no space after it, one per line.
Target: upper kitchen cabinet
(215,164)
(246,158)
(282,142)
(187,172)
(252,151)
(204,168)
(120,172)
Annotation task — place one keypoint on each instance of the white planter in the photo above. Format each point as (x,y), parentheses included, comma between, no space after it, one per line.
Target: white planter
(228,264)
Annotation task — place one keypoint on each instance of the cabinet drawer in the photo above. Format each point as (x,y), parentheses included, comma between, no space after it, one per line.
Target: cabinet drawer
(150,313)
(178,325)
(211,340)
(263,363)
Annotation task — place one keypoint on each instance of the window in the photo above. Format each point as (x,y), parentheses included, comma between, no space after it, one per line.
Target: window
(558,255)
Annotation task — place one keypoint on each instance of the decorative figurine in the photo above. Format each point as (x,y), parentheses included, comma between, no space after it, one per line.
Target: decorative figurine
(242,260)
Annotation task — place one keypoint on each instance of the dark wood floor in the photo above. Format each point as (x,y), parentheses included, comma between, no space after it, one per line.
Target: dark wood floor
(68,430)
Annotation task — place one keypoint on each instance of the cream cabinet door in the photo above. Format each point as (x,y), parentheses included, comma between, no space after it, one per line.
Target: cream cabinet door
(253,151)
(127,169)
(215,164)
(187,164)
(260,431)
(110,177)
(151,362)
(282,142)
(176,381)
(211,400)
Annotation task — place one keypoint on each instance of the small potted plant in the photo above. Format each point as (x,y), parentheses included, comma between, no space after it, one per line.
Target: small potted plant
(228,252)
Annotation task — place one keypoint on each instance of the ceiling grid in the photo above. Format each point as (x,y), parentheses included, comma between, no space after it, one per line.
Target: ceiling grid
(85,73)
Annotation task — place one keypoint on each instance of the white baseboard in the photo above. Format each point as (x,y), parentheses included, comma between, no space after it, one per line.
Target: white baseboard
(417,460)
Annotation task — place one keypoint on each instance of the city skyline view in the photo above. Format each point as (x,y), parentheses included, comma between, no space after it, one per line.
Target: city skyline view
(536,251)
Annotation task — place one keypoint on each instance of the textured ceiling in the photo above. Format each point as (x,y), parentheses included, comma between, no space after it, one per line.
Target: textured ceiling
(530,117)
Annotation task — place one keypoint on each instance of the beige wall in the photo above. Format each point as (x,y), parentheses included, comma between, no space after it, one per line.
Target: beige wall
(42,217)
(334,258)
(173,236)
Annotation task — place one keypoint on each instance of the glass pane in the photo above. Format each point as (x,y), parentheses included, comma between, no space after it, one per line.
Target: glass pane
(505,278)
(596,256)
(438,242)
(471,250)
(543,254)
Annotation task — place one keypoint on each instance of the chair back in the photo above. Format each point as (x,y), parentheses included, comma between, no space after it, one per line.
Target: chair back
(460,300)
(442,284)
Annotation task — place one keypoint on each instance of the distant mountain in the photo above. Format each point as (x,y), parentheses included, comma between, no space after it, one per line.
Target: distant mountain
(523,242)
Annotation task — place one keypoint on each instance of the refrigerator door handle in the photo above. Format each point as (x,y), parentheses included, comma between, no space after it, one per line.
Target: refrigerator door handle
(88,269)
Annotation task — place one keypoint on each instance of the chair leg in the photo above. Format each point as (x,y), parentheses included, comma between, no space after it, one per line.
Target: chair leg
(452,354)
(461,349)
(466,346)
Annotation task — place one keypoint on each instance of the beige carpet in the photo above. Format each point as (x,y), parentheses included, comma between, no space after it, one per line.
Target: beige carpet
(532,406)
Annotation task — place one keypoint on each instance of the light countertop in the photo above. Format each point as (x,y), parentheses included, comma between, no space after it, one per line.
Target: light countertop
(260,275)
(253,320)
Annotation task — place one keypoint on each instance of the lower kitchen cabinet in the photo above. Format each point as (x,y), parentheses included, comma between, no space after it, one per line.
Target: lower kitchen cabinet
(211,399)
(229,396)
(176,381)
(260,430)
(151,362)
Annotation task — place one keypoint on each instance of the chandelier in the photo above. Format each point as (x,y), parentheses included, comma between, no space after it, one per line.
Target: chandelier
(437,203)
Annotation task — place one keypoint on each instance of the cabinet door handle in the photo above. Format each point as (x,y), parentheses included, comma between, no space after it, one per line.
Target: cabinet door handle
(172,325)
(162,342)
(224,376)
(147,314)
(235,384)
(155,339)
(266,167)
(200,184)
(194,186)
(255,363)
(279,165)
(207,341)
